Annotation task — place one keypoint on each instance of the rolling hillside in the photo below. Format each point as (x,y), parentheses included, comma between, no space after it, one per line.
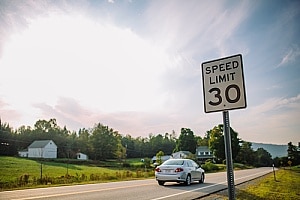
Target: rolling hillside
(274,149)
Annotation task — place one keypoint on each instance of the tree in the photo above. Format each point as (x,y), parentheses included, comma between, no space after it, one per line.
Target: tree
(169,143)
(186,141)
(216,142)
(84,142)
(203,141)
(23,137)
(217,145)
(121,152)
(156,143)
(246,154)
(7,141)
(158,157)
(293,154)
(263,158)
(104,142)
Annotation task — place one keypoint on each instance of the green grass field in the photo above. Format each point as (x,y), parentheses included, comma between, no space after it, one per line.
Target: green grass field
(21,172)
(25,173)
(286,186)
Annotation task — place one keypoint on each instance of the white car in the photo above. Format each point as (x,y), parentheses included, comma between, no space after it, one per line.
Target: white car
(180,171)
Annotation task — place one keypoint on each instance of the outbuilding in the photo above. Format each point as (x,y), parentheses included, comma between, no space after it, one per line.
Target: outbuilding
(42,149)
(81,156)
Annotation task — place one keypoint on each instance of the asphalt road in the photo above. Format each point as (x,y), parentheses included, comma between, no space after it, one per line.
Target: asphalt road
(136,190)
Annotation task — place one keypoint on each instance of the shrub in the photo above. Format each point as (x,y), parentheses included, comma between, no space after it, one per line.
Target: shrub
(210,167)
(126,165)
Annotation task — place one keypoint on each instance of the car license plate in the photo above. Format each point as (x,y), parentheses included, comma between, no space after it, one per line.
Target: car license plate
(168,170)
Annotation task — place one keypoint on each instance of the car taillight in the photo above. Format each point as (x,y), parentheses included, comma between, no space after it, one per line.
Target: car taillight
(178,170)
(157,170)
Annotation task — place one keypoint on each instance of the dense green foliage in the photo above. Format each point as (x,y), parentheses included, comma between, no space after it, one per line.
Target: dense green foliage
(102,143)
(293,154)
(216,142)
(99,142)
(186,141)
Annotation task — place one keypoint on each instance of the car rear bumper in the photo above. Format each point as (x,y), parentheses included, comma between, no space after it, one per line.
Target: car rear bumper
(171,177)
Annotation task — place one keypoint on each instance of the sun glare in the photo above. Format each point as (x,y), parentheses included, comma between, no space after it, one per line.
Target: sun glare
(105,66)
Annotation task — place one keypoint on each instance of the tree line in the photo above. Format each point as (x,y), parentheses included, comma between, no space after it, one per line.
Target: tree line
(101,143)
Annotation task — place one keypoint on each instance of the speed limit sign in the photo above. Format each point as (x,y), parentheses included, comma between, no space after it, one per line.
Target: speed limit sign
(223,84)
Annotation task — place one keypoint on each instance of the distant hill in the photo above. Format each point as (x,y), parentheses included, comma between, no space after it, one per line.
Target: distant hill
(275,150)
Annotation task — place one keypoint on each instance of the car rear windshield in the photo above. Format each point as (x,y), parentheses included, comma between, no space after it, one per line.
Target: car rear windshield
(174,162)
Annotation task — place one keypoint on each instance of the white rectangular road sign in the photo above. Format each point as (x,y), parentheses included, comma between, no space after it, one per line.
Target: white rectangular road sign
(223,84)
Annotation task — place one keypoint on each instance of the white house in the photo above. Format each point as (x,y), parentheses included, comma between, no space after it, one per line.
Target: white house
(81,156)
(23,153)
(203,153)
(181,154)
(163,158)
(42,149)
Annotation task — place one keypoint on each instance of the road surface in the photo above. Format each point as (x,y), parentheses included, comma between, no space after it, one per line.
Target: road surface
(136,190)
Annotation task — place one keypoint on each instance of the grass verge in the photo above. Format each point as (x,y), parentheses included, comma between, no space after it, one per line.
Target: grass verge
(286,186)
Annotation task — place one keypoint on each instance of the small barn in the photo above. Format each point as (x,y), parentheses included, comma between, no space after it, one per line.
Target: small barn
(42,149)
(81,156)
(23,153)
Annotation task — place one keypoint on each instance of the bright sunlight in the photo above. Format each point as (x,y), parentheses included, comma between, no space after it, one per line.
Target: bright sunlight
(110,67)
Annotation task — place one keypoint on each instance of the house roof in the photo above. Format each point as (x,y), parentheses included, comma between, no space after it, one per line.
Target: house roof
(166,157)
(24,150)
(80,153)
(203,148)
(184,152)
(40,143)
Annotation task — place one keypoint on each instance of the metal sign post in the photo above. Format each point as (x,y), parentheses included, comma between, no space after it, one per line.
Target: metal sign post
(223,90)
(229,163)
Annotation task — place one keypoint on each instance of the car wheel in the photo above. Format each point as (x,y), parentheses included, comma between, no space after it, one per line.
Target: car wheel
(202,178)
(188,180)
(161,182)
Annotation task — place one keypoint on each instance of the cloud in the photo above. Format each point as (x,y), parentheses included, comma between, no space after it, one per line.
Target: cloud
(205,24)
(289,57)
(270,120)
(7,114)
(67,111)
(275,104)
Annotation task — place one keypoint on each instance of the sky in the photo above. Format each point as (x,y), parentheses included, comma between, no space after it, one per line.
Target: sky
(135,65)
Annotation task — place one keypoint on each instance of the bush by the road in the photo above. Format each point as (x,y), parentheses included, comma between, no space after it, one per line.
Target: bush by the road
(211,167)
